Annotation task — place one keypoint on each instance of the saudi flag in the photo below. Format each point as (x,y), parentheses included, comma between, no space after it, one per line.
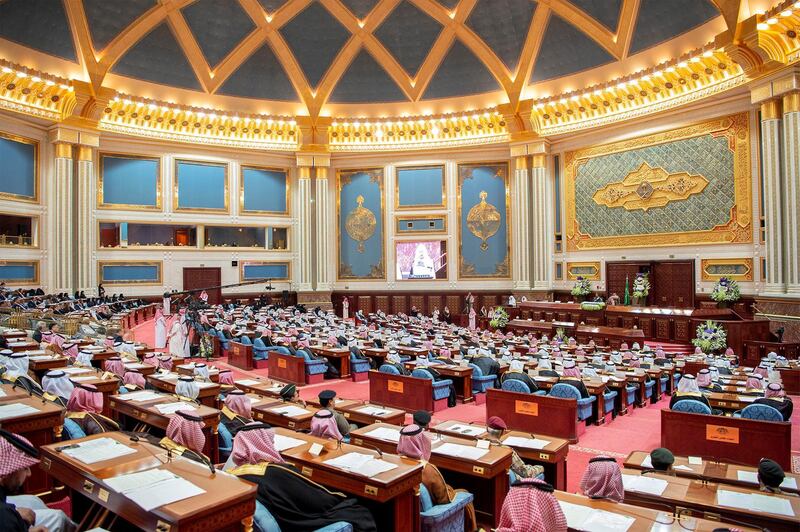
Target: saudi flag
(627,293)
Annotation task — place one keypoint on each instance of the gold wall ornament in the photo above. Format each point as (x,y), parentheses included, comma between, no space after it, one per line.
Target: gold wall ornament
(483,220)
(648,187)
(740,269)
(361,223)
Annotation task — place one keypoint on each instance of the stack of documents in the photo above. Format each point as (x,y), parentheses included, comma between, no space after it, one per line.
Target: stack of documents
(361,464)
(16,410)
(73,370)
(467,430)
(593,520)
(384,433)
(98,450)
(153,488)
(755,502)
(139,397)
(283,443)
(373,411)
(289,410)
(248,382)
(171,408)
(644,484)
(529,443)
(460,451)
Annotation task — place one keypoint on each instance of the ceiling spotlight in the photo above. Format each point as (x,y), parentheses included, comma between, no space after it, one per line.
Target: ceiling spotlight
(772,21)
(786,13)
(7,70)
(762,27)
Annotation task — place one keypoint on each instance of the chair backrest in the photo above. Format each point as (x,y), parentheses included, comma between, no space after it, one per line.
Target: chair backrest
(421,374)
(386,368)
(692,407)
(425,500)
(514,385)
(476,371)
(258,343)
(565,391)
(225,436)
(762,413)
(263,520)
(245,340)
(73,430)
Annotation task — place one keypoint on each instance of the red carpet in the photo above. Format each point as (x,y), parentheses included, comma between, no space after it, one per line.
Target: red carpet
(640,430)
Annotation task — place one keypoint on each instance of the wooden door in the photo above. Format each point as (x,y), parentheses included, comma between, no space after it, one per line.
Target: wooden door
(203,278)
(673,284)
(618,272)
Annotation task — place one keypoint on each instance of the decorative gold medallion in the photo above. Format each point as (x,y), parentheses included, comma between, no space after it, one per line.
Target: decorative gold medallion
(648,187)
(483,220)
(361,223)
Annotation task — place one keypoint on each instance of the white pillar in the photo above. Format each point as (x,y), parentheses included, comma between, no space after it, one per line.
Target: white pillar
(542,212)
(324,230)
(791,190)
(61,257)
(304,215)
(520,228)
(85,241)
(771,149)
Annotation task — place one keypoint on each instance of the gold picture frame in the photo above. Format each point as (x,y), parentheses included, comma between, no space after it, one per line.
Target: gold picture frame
(591,277)
(128,206)
(12,282)
(36,166)
(36,227)
(747,277)
(199,210)
(421,207)
(149,282)
(243,263)
(285,171)
(382,263)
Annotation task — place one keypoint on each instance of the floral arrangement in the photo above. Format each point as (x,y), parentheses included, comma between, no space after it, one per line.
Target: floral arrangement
(593,305)
(560,335)
(726,290)
(582,287)
(500,318)
(641,285)
(711,337)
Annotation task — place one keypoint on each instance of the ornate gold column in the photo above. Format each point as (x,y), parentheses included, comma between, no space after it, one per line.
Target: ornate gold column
(324,229)
(61,254)
(773,200)
(305,227)
(542,214)
(520,227)
(85,272)
(791,190)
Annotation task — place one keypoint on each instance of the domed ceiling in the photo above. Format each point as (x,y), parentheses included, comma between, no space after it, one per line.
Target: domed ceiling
(348,51)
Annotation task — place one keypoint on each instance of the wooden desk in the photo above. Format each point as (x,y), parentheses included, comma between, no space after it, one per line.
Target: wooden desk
(729,402)
(486,478)
(537,414)
(41,362)
(40,428)
(208,391)
(188,369)
(23,345)
(148,414)
(264,412)
(744,441)
(286,368)
(351,410)
(227,500)
(391,496)
(9,394)
(338,357)
(461,377)
(646,520)
(700,500)
(144,369)
(264,388)
(108,387)
(377,354)
(240,355)
(553,456)
(719,472)
(10,335)
(403,392)
(790,377)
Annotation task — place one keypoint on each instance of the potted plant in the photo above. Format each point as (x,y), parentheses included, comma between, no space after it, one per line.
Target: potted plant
(725,292)
(641,288)
(581,289)
(711,337)
(500,318)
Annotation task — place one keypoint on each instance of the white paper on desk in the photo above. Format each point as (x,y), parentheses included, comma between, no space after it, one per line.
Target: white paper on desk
(384,433)
(695,460)
(647,462)
(602,521)
(2,393)
(139,397)
(248,382)
(171,408)
(16,410)
(460,451)
(202,385)
(373,411)
(746,398)
(752,478)
(529,443)
(93,451)
(755,502)
(466,430)
(289,410)
(283,443)
(644,484)
(134,481)
(72,371)
(363,464)
(164,492)
(40,357)
(81,379)
(682,468)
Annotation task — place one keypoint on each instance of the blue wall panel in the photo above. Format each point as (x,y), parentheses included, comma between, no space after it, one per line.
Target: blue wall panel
(130,181)
(494,260)
(18,168)
(365,261)
(18,272)
(264,190)
(276,270)
(201,185)
(420,187)
(130,273)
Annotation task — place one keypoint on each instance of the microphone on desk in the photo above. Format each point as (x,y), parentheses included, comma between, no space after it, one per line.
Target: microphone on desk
(380,453)
(136,439)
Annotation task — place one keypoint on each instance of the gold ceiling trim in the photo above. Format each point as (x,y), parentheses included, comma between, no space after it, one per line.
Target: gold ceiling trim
(33,93)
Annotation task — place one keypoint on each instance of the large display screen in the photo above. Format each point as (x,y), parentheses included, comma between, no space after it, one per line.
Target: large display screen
(421,260)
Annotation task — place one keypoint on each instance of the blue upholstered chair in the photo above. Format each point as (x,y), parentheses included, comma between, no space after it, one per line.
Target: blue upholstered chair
(512,477)
(567,391)
(443,517)
(313,366)
(224,342)
(609,398)
(72,431)
(244,339)
(481,382)
(691,407)
(387,368)
(514,385)
(264,522)
(260,351)
(358,365)
(663,380)
(441,389)
(649,386)
(225,442)
(760,412)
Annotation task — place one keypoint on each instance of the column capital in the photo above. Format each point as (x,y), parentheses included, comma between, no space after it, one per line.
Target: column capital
(85,153)
(791,102)
(771,110)
(63,150)
(313,158)
(539,160)
(521,162)
(530,147)
(785,81)
(74,136)
(304,172)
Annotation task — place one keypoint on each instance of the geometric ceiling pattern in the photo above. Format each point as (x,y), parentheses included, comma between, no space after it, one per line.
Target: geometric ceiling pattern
(347,51)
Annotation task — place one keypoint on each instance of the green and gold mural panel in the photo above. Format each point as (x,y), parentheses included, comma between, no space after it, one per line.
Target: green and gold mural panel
(680,187)
(360,225)
(483,230)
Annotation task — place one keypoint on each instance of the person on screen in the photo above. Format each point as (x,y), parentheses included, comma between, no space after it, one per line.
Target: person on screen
(422,267)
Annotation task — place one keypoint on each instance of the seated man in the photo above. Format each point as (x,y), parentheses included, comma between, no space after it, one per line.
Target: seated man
(495,426)
(770,477)
(289,394)
(688,391)
(775,397)
(516,370)
(487,364)
(237,410)
(603,480)
(85,407)
(57,387)
(393,359)
(187,389)
(572,375)
(662,459)
(414,443)
(326,402)
(296,503)
(23,513)
(531,506)
(185,436)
